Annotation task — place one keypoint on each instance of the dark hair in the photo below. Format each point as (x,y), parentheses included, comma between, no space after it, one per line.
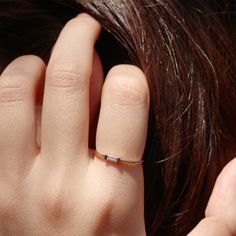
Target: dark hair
(186,50)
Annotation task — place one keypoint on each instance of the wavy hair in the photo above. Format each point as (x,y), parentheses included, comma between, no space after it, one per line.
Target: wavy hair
(186,49)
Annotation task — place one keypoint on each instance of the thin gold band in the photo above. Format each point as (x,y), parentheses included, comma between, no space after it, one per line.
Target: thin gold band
(116,160)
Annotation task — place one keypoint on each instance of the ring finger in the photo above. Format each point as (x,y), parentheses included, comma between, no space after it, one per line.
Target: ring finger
(121,132)
(122,125)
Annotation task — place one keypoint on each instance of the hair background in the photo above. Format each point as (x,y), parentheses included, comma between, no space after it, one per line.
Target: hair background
(187,50)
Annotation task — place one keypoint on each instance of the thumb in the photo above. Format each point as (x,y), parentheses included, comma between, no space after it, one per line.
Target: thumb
(221,210)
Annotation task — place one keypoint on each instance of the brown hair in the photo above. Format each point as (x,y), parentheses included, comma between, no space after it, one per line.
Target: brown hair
(186,50)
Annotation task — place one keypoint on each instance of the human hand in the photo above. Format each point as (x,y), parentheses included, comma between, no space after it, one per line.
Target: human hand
(59,188)
(220,213)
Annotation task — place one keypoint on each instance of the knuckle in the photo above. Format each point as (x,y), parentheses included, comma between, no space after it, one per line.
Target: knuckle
(66,75)
(9,212)
(6,206)
(128,90)
(13,91)
(55,206)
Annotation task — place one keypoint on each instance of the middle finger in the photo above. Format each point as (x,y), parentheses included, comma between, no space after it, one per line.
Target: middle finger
(65,116)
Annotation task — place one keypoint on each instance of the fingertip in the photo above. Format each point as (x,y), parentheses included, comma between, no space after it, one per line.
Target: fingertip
(127,84)
(128,70)
(88,19)
(26,64)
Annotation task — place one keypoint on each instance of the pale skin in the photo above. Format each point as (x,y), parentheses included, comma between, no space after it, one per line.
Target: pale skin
(50,183)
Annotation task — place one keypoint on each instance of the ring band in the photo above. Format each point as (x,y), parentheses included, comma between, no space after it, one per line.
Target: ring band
(116,160)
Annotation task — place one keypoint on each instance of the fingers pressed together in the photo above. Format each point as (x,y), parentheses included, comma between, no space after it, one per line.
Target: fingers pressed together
(73,92)
(61,165)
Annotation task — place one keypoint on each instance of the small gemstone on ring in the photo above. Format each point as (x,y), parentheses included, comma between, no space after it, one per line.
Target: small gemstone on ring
(112,158)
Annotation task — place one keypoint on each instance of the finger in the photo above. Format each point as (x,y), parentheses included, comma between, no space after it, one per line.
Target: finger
(123,119)
(65,117)
(18,88)
(211,227)
(221,210)
(222,203)
(121,132)
(96,83)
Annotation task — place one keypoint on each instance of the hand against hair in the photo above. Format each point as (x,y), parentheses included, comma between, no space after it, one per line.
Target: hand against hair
(50,182)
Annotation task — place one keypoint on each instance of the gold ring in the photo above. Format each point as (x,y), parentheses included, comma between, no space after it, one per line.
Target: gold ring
(116,160)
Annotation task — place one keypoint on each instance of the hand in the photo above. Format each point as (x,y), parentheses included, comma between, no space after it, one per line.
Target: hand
(58,187)
(50,183)
(221,210)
